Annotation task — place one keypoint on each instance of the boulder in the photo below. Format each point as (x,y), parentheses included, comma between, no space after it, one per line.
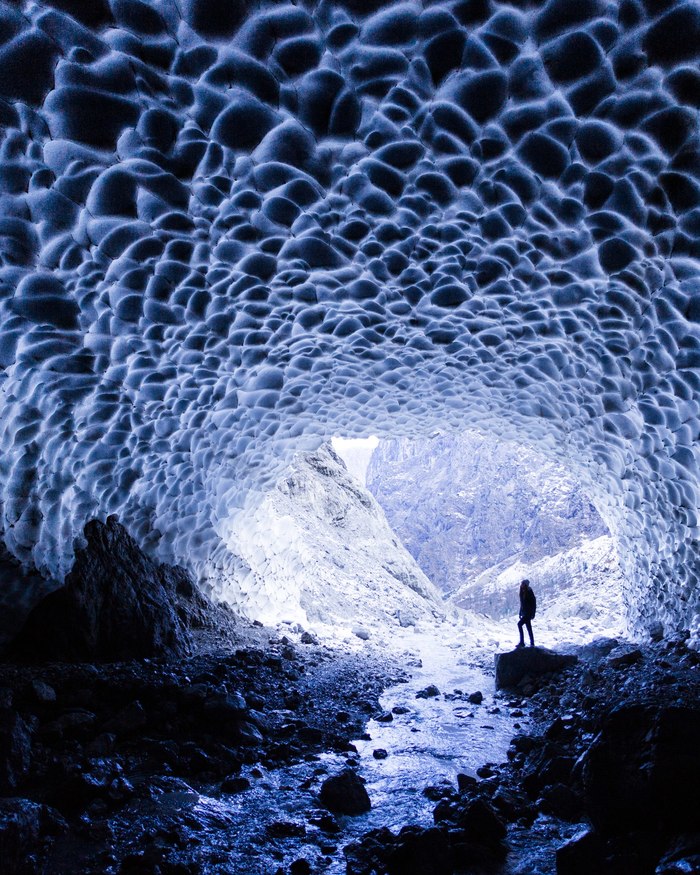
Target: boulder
(428,693)
(419,851)
(345,794)
(642,771)
(513,666)
(22,826)
(583,854)
(15,749)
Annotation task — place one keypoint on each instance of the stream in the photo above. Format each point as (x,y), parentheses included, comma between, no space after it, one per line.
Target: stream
(279,819)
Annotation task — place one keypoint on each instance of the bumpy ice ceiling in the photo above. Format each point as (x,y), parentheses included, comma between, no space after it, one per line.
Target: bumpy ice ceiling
(231,229)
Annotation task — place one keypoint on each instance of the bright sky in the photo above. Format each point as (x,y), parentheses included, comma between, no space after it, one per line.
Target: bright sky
(356,453)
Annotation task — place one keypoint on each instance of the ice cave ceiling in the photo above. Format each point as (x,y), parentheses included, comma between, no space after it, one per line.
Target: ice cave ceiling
(230,229)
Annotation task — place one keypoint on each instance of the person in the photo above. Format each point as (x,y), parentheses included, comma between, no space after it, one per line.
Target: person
(528,608)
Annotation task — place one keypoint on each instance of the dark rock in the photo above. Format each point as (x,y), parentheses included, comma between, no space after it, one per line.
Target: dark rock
(682,856)
(481,824)
(642,771)
(561,801)
(327,823)
(442,790)
(285,829)
(547,764)
(512,667)
(75,723)
(43,693)
(224,707)
(428,693)
(623,658)
(513,806)
(581,855)
(379,753)
(235,784)
(476,698)
(15,749)
(116,604)
(345,794)
(300,867)
(369,854)
(385,717)
(248,733)
(128,720)
(465,782)
(419,852)
(22,825)
(308,638)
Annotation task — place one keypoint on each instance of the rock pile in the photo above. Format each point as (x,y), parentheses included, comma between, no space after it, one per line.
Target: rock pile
(102,750)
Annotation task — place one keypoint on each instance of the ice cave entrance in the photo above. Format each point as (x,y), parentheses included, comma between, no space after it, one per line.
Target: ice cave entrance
(477,514)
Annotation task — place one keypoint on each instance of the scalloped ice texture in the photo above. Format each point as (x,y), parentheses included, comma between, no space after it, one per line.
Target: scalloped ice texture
(230,232)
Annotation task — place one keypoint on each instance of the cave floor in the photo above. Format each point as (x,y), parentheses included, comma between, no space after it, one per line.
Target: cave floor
(213,764)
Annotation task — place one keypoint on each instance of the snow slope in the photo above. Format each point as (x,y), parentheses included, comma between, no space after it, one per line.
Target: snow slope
(318,550)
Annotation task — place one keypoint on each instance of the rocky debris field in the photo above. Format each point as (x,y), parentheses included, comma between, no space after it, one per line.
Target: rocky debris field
(161,766)
(604,780)
(102,765)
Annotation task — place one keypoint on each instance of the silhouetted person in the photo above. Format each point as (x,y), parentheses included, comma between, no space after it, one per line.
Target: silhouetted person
(528,608)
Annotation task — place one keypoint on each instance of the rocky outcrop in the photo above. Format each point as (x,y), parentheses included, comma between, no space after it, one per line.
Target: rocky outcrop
(469,835)
(116,603)
(345,793)
(21,589)
(532,662)
(111,755)
(642,771)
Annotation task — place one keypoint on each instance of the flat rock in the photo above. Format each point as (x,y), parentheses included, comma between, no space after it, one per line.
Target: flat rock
(511,667)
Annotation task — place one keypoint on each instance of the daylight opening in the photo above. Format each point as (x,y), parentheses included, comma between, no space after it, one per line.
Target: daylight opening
(362,536)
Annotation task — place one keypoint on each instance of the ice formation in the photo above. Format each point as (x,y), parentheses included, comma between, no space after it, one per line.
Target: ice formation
(231,229)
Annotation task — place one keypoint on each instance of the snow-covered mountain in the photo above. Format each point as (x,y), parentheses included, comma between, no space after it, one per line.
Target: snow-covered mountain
(319,549)
(577,586)
(464,503)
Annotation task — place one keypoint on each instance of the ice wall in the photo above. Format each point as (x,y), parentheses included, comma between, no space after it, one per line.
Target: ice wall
(230,229)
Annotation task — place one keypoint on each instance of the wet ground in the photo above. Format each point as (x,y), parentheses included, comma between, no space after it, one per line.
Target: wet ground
(142,769)
(431,740)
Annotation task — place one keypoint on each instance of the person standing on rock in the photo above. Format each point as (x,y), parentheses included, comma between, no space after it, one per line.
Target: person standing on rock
(528,608)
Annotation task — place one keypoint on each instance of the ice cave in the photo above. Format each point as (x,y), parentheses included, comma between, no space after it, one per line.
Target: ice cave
(231,232)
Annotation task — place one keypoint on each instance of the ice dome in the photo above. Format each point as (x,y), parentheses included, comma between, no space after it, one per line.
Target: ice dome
(230,231)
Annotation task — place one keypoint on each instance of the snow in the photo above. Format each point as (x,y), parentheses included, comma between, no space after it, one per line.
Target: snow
(319,553)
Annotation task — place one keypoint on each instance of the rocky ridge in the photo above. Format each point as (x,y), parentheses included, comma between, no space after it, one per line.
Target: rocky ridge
(319,550)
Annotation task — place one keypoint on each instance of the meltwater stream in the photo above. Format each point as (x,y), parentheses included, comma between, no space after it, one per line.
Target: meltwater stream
(279,819)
